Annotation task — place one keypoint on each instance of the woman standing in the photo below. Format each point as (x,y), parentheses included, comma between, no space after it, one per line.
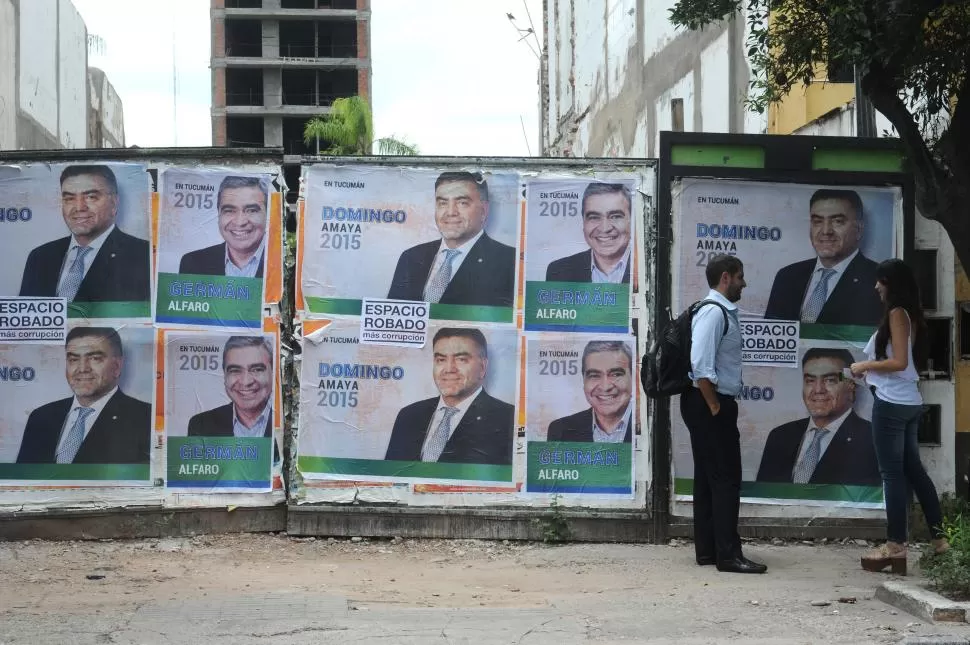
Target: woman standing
(890,372)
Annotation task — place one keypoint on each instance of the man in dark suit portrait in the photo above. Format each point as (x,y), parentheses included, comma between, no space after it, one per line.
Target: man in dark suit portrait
(464,424)
(466,266)
(241,204)
(98,262)
(607,372)
(100,424)
(607,221)
(247,366)
(838,287)
(832,445)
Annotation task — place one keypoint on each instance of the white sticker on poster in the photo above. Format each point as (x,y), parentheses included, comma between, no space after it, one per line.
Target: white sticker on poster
(33,320)
(400,323)
(769,343)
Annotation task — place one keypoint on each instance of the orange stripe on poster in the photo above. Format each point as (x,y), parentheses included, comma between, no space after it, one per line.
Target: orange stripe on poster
(347,484)
(154,225)
(159,381)
(440,488)
(270,325)
(310,326)
(300,233)
(273,292)
(520,422)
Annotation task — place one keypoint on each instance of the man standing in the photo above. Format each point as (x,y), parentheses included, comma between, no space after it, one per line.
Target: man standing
(464,424)
(241,204)
(247,365)
(466,266)
(606,227)
(710,412)
(100,424)
(607,370)
(835,288)
(833,445)
(98,262)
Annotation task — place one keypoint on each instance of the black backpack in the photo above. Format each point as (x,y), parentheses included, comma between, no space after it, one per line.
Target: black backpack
(665,367)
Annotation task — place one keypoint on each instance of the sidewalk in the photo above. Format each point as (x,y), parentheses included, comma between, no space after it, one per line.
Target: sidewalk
(242,589)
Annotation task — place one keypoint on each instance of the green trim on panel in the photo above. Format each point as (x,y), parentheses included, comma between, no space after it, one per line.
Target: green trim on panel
(405,469)
(714,155)
(817,492)
(76,472)
(118,309)
(858,160)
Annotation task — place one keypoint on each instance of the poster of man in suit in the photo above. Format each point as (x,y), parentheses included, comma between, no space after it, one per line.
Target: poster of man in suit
(810,250)
(445,412)
(80,232)
(221,409)
(212,247)
(81,410)
(580,255)
(805,433)
(447,237)
(581,414)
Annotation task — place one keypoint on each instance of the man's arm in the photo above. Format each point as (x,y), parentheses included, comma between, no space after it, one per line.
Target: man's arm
(707,328)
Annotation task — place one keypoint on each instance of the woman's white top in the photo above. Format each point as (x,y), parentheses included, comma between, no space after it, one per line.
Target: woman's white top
(900,387)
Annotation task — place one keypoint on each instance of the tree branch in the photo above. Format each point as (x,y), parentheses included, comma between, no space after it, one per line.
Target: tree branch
(885,98)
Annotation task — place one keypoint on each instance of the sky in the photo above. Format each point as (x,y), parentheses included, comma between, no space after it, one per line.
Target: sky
(451,76)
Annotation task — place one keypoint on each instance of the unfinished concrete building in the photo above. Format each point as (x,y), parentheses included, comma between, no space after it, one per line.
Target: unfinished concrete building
(277,63)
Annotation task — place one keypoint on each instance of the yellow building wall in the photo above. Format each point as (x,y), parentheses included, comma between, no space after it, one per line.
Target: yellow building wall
(962,367)
(806,103)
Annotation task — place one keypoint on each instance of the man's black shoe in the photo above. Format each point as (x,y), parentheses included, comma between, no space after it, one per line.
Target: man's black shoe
(740,565)
(705,560)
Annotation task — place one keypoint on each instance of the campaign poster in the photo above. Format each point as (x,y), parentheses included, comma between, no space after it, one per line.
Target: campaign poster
(78,231)
(782,413)
(79,412)
(213,241)
(444,237)
(581,416)
(580,253)
(810,252)
(444,412)
(221,410)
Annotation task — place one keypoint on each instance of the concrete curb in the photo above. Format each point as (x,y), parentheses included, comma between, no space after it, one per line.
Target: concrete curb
(934,640)
(922,603)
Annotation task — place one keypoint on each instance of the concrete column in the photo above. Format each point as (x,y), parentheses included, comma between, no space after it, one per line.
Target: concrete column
(271,4)
(273,131)
(271,39)
(272,87)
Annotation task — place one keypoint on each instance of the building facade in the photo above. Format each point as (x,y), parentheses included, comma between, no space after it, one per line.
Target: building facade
(278,63)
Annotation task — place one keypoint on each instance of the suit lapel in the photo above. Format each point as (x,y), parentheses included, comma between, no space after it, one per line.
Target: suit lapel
(466,431)
(587,269)
(51,432)
(51,271)
(101,273)
(842,294)
(464,280)
(98,442)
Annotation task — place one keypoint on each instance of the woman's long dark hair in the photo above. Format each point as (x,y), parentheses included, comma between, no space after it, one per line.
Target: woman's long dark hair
(902,291)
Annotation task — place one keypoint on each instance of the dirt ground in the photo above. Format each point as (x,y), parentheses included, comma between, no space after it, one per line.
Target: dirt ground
(250,588)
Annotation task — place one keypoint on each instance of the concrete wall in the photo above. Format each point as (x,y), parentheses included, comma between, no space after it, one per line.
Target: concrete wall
(72,76)
(615,69)
(8,75)
(38,63)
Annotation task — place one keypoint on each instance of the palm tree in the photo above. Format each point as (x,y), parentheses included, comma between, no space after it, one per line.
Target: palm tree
(349,129)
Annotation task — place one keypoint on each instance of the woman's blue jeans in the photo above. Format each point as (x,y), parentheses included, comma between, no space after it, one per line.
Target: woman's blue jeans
(897,451)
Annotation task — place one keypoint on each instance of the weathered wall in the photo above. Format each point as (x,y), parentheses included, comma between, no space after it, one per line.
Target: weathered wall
(617,68)
(8,75)
(72,76)
(38,63)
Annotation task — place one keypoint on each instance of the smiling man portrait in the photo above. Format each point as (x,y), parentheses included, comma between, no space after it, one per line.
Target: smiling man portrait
(465,266)
(242,206)
(607,228)
(607,373)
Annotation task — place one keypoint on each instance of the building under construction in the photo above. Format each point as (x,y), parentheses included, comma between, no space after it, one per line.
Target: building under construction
(277,63)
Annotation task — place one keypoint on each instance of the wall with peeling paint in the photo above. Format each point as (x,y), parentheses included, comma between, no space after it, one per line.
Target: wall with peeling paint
(615,68)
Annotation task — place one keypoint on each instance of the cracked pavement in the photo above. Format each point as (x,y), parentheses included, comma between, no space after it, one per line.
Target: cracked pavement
(242,589)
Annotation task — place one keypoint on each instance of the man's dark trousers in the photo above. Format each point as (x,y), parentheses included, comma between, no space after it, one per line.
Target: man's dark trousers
(716,444)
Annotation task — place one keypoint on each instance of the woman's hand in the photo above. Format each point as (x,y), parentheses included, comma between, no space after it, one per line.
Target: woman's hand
(859,369)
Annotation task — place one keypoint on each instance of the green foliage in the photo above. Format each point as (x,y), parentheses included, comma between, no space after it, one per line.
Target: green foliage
(349,130)
(554,526)
(949,572)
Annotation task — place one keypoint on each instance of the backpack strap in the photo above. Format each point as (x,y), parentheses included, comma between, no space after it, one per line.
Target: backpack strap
(699,305)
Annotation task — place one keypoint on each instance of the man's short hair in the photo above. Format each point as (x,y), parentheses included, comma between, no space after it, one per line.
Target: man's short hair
(99,170)
(107,333)
(597,346)
(236,181)
(600,188)
(473,335)
(238,342)
(850,196)
(473,177)
(719,265)
(842,355)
